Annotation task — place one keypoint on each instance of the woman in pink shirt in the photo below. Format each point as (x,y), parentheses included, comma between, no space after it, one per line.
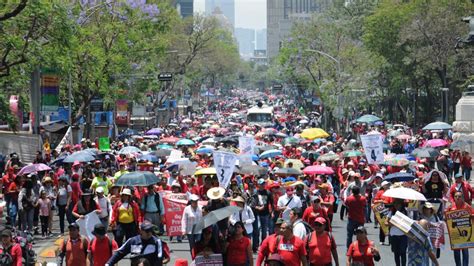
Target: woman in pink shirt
(44,204)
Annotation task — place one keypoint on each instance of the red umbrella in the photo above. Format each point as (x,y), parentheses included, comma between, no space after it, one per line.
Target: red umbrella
(169,140)
(318,170)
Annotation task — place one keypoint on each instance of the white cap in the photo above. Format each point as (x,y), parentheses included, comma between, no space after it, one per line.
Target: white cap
(194,197)
(385,183)
(99,190)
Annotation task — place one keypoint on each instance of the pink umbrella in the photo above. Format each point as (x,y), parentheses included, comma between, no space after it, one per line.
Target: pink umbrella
(318,170)
(38,167)
(433,143)
(403,137)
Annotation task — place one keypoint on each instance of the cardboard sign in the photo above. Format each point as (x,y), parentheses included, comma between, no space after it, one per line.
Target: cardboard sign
(104,144)
(373,148)
(211,260)
(381,214)
(411,228)
(459,224)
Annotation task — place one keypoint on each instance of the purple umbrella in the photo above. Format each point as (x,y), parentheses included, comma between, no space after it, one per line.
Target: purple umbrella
(434,143)
(38,167)
(154,131)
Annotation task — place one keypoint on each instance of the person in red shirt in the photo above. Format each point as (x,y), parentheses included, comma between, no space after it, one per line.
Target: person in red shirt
(460,204)
(101,247)
(362,251)
(327,200)
(355,204)
(321,245)
(238,247)
(11,248)
(291,249)
(7,179)
(315,211)
(264,250)
(205,187)
(461,186)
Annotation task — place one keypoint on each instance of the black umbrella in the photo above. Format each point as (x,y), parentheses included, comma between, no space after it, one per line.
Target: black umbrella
(425,153)
(400,177)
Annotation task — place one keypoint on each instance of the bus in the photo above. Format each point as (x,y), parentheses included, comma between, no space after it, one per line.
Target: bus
(260,116)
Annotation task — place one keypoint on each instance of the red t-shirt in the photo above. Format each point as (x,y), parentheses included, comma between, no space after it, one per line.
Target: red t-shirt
(290,251)
(356,208)
(320,248)
(309,215)
(101,253)
(6,182)
(361,253)
(13,191)
(237,251)
(15,252)
(76,192)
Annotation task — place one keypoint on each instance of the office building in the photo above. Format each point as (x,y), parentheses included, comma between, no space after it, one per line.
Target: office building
(282,14)
(185,7)
(246,41)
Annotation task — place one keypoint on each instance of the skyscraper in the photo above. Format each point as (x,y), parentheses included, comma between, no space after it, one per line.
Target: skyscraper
(226,6)
(185,7)
(281,14)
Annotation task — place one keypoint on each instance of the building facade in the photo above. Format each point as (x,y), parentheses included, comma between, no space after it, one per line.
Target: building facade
(281,14)
(185,7)
(226,6)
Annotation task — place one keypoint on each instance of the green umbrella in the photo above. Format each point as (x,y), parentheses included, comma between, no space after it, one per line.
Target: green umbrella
(328,157)
(291,141)
(369,119)
(352,153)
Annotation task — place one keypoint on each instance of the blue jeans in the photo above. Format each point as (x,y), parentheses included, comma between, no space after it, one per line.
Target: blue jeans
(466,173)
(27,217)
(264,225)
(12,212)
(351,226)
(465,257)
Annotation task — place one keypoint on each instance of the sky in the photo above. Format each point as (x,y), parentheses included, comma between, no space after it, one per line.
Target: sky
(250,14)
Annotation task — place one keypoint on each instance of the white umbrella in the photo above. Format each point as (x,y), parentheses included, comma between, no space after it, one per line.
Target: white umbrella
(303,121)
(404,193)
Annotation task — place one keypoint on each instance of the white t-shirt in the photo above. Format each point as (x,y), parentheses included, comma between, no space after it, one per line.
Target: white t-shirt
(294,203)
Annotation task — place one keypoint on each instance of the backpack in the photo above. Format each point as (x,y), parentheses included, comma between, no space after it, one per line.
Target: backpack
(6,258)
(83,243)
(308,227)
(110,245)
(157,202)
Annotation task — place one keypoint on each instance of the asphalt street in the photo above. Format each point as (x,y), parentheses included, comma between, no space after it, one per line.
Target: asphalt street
(45,247)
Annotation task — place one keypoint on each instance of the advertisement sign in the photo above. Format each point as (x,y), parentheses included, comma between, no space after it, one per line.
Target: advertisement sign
(459,224)
(373,148)
(381,214)
(121,107)
(49,92)
(97,105)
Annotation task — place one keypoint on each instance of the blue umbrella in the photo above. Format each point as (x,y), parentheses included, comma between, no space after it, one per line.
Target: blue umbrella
(205,150)
(138,178)
(149,157)
(129,150)
(165,147)
(254,157)
(270,154)
(185,142)
(438,126)
(154,131)
(400,177)
(80,156)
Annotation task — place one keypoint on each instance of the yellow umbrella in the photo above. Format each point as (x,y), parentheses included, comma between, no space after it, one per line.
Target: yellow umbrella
(215,126)
(206,171)
(297,164)
(314,133)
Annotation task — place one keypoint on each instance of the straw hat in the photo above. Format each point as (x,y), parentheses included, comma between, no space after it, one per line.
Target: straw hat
(238,199)
(215,193)
(444,152)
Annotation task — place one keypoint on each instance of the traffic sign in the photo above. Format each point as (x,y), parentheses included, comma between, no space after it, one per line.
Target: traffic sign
(165,77)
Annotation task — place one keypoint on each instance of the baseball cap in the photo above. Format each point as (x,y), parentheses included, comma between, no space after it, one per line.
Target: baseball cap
(100,190)
(320,220)
(147,226)
(261,181)
(360,229)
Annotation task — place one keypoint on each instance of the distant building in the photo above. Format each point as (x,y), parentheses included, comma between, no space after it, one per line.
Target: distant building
(261,40)
(259,57)
(246,41)
(185,7)
(226,6)
(222,19)
(281,15)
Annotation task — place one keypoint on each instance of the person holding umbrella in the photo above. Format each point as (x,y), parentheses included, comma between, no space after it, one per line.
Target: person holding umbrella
(125,217)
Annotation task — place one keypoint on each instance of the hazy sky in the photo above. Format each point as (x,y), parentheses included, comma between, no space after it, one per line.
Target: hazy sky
(248,13)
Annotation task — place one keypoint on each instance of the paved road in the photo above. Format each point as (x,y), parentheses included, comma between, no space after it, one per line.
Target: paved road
(181,250)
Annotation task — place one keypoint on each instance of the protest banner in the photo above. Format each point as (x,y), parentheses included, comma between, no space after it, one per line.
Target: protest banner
(104,144)
(373,148)
(381,214)
(224,162)
(211,260)
(174,204)
(459,224)
(86,225)
(246,145)
(436,232)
